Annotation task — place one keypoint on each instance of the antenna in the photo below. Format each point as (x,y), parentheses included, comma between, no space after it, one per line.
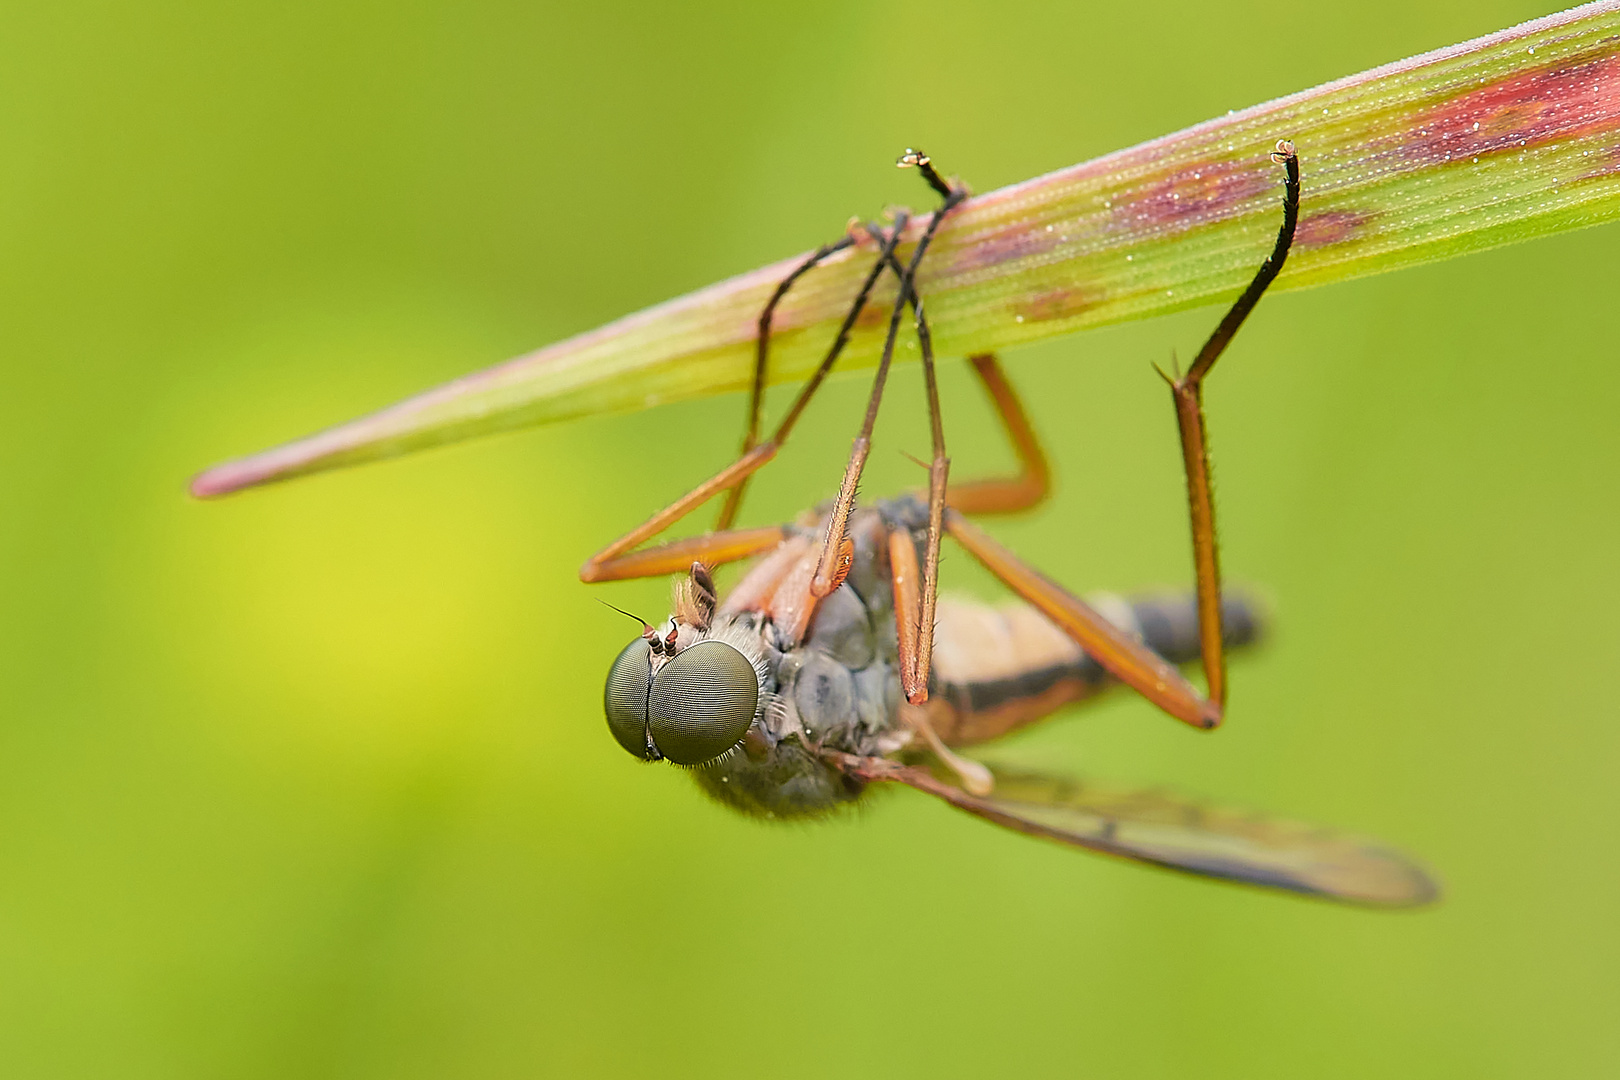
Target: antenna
(648,634)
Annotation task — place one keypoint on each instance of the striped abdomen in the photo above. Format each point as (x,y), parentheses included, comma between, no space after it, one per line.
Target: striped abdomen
(997,668)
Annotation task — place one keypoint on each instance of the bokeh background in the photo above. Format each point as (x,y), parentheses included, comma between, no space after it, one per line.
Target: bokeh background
(313,781)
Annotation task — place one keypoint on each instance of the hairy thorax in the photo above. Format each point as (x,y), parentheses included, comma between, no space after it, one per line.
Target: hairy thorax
(831,677)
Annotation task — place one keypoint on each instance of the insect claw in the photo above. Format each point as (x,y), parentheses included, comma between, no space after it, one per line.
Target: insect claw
(921,162)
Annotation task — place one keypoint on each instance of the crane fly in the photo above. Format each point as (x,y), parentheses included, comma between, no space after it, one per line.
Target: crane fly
(834,665)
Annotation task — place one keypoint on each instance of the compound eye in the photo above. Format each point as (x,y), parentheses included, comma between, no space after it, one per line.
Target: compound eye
(625,700)
(702,703)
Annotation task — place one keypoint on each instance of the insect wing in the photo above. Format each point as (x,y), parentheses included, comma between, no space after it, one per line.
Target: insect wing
(1178,833)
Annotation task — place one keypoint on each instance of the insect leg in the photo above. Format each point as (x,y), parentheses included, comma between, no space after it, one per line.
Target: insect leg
(602,565)
(1005,495)
(903,574)
(1127,659)
(975,777)
(756,397)
(939,468)
(903,578)
(710,549)
(1187,393)
(836,550)
(832,566)
(915,638)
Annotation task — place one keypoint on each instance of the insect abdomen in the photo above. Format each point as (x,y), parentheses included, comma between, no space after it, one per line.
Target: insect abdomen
(999,668)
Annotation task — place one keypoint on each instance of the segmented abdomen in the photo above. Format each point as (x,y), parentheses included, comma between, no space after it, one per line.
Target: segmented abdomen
(997,668)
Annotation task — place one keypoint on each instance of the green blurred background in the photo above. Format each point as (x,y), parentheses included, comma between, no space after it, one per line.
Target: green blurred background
(313,781)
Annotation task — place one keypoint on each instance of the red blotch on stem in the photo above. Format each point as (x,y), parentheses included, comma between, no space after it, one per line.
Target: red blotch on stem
(1330,227)
(1002,245)
(1060,303)
(1198,194)
(1551,104)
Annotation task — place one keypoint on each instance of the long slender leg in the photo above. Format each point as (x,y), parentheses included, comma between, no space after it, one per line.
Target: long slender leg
(710,549)
(762,345)
(915,613)
(602,565)
(939,468)
(832,564)
(836,549)
(1187,393)
(1005,495)
(914,608)
(910,159)
(605,564)
(1127,659)
(903,574)
(915,601)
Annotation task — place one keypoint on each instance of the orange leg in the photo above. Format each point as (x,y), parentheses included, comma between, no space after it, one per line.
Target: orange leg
(904,575)
(914,675)
(1127,659)
(605,564)
(710,549)
(1122,655)
(916,640)
(1005,495)
(916,589)
(1187,393)
(830,568)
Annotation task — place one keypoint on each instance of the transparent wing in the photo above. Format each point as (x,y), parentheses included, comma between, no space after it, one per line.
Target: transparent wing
(1172,831)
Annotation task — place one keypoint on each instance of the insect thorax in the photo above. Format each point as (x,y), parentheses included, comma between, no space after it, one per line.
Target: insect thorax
(837,689)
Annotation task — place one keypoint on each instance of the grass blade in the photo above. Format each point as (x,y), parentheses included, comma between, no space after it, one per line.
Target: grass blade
(1501,139)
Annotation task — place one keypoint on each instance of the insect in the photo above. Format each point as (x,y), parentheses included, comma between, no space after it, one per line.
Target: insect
(834,665)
